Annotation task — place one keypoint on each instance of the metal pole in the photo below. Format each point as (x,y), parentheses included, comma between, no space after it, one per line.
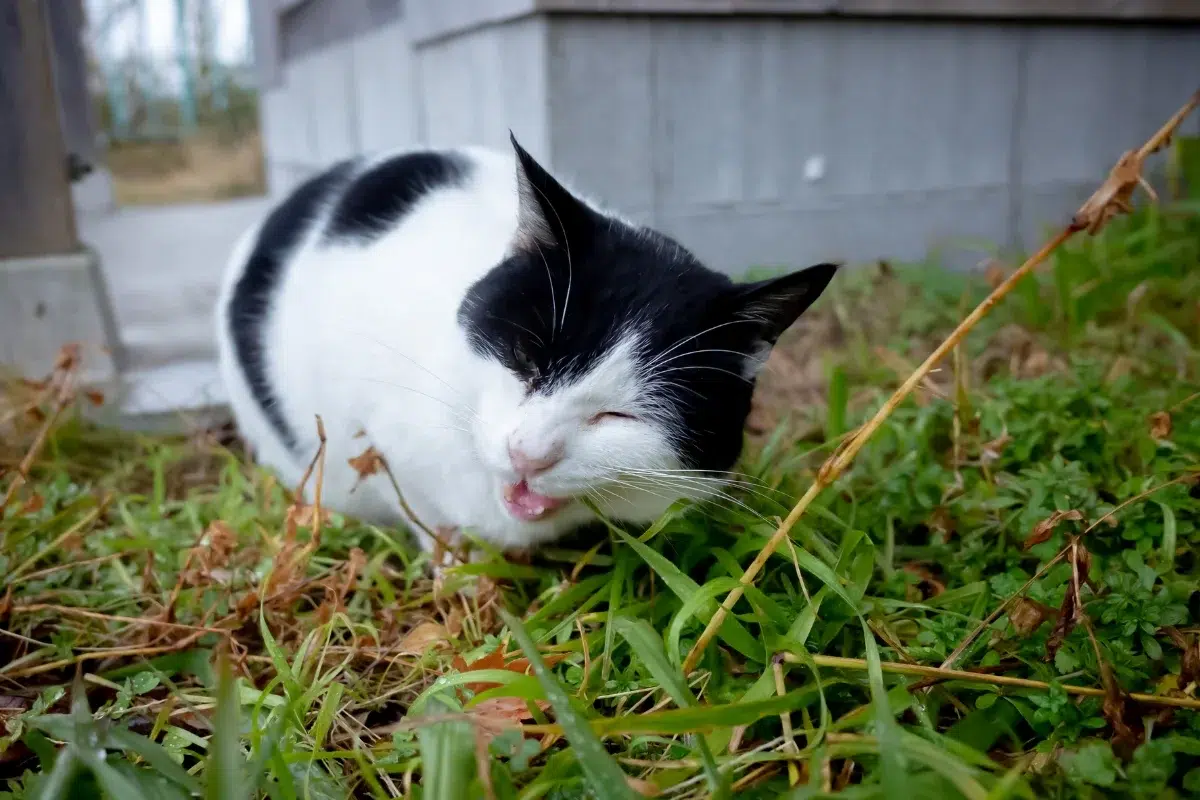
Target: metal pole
(115,76)
(187,95)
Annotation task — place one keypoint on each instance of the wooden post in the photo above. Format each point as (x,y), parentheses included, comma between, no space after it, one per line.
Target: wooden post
(37,216)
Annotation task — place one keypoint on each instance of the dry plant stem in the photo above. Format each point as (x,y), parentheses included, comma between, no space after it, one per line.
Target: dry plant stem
(66,393)
(41,573)
(860,664)
(81,612)
(316,534)
(785,719)
(1090,217)
(182,644)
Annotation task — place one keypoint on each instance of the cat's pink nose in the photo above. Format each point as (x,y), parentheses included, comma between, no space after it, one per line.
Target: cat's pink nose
(528,465)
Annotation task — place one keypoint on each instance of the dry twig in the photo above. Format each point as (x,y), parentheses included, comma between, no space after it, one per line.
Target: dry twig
(1111,198)
(860,664)
(61,384)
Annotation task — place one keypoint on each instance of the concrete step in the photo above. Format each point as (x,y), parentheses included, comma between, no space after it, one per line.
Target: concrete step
(151,345)
(180,397)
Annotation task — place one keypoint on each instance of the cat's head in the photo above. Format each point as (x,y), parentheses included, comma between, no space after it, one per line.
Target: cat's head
(614,365)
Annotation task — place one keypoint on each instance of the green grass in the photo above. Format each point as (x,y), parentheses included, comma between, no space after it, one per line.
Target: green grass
(134,666)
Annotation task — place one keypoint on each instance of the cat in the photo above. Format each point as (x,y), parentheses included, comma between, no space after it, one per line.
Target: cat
(506,345)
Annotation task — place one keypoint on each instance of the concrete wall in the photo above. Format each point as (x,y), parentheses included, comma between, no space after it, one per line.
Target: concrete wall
(755,139)
(379,90)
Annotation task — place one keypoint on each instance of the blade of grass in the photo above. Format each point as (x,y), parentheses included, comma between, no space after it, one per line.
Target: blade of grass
(605,777)
(223,778)
(895,775)
(684,588)
(448,766)
(648,645)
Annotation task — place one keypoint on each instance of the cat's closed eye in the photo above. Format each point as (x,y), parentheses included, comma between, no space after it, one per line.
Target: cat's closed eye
(608,415)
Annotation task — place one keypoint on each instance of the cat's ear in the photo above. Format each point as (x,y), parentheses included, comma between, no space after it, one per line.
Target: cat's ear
(549,216)
(774,304)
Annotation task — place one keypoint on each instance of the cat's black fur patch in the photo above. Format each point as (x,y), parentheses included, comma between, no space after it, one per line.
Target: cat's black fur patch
(523,314)
(278,237)
(380,197)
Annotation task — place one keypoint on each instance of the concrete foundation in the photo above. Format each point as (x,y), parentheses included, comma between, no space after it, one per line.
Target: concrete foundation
(51,301)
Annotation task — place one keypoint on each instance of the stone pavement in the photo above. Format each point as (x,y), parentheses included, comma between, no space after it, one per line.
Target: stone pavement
(163,267)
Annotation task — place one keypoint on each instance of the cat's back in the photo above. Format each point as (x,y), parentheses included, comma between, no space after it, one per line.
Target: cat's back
(372,249)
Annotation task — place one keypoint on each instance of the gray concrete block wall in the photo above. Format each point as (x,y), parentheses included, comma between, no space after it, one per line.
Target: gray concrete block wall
(755,139)
(474,87)
(929,135)
(381,91)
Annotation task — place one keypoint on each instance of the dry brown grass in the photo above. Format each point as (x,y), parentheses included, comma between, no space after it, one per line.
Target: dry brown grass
(202,169)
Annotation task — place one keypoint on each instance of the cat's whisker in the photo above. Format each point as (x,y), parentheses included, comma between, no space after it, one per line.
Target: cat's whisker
(732,478)
(710,494)
(549,277)
(697,482)
(518,326)
(566,247)
(637,488)
(409,359)
(696,353)
(718,485)
(708,367)
(684,341)
(453,407)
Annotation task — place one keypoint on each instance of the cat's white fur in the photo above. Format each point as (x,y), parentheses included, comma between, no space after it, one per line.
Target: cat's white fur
(367,338)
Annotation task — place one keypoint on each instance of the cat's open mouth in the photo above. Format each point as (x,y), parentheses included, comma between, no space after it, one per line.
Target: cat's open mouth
(526,504)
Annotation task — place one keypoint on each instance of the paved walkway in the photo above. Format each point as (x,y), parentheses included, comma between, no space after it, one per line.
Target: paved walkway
(163,266)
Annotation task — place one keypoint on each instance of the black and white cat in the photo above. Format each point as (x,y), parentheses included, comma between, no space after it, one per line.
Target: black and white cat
(508,346)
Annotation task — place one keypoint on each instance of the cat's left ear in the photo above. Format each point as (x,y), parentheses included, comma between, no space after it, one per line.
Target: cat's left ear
(549,215)
(776,303)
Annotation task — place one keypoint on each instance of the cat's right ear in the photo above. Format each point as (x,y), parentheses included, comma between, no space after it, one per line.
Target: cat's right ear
(549,215)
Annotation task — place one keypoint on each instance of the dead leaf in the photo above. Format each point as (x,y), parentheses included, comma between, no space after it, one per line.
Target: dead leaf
(1126,737)
(424,637)
(302,515)
(1121,367)
(34,504)
(934,587)
(216,546)
(94,397)
(995,274)
(496,660)
(994,449)
(514,709)
(493,660)
(1189,663)
(1043,530)
(1068,618)
(367,463)
(1072,606)
(643,787)
(1028,615)
(942,522)
(1115,195)
(1160,425)
(340,584)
